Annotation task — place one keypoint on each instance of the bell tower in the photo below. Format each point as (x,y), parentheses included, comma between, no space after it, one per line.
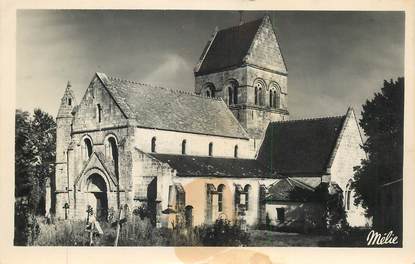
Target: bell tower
(244,65)
(63,139)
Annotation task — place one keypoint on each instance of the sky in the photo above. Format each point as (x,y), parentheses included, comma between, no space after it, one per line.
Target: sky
(334,59)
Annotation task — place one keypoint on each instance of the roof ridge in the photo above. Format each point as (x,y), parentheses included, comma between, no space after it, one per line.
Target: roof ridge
(165,88)
(309,119)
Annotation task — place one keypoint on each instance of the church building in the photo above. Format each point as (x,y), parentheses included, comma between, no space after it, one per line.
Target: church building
(228,150)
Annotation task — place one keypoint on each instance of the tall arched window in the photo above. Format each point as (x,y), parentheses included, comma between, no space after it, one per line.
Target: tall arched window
(235,151)
(153,144)
(259,87)
(247,190)
(113,153)
(210,149)
(347,195)
(87,148)
(220,189)
(275,89)
(232,87)
(184,147)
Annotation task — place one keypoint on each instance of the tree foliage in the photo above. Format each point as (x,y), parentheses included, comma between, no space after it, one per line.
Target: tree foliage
(35,139)
(382,123)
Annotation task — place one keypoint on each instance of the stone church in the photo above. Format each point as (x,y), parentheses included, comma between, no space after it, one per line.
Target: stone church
(228,150)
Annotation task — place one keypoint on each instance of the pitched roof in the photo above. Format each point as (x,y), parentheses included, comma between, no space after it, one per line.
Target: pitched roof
(162,108)
(229,47)
(300,146)
(290,190)
(194,166)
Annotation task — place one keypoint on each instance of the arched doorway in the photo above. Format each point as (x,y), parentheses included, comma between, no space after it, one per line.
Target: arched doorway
(97,196)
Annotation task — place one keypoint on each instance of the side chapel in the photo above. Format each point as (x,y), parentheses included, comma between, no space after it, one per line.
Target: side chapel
(227,150)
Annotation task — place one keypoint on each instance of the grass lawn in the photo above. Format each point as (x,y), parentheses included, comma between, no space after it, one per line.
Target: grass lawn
(265,238)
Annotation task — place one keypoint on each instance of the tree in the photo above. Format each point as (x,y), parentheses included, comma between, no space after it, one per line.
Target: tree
(382,123)
(35,143)
(34,164)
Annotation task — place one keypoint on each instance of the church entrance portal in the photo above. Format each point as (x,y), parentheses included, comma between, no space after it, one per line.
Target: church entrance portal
(97,196)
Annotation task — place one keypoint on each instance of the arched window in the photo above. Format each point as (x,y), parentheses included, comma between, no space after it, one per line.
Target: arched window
(208,90)
(232,87)
(210,149)
(347,195)
(247,189)
(235,151)
(99,113)
(275,89)
(87,148)
(69,101)
(259,86)
(184,147)
(221,188)
(153,144)
(271,98)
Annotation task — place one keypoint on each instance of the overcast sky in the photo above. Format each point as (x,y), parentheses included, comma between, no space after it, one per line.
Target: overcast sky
(334,59)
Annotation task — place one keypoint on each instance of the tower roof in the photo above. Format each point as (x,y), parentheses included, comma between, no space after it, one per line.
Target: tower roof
(231,47)
(67,102)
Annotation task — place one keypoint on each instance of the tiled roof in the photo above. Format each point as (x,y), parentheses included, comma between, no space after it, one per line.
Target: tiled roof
(195,166)
(229,47)
(290,190)
(162,108)
(300,146)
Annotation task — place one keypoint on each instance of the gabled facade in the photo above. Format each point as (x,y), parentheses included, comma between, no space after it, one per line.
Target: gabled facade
(224,151)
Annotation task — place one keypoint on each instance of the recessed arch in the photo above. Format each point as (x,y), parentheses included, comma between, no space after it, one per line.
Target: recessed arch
(275,90)
(87,147)
(232,86)
(209,90)
(259,90)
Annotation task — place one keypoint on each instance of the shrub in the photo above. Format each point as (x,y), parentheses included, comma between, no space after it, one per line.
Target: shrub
(223,233)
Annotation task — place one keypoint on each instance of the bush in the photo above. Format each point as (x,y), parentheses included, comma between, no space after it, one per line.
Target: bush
(223,233)
(26,227)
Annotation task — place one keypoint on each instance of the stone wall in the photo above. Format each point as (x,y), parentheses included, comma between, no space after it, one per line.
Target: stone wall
(170,142)
(348,155)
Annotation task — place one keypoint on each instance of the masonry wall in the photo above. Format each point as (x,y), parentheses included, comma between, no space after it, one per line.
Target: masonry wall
(349,154)
(86,117)
(170,142)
